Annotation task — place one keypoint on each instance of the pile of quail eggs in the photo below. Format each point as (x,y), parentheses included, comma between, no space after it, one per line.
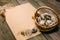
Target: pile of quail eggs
(45,19)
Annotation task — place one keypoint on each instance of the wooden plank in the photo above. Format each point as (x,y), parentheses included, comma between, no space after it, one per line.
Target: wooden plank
(22,1)
(38,37)
(51,4)
(18,2)
(5,32)
(15,2)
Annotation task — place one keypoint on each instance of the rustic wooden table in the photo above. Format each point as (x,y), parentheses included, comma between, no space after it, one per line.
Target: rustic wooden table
(6,34)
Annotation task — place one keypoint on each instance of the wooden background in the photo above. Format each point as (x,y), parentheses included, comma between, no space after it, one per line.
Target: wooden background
(6,33)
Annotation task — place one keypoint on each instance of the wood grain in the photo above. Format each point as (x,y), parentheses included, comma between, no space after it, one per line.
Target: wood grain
(55,34)
(5,32)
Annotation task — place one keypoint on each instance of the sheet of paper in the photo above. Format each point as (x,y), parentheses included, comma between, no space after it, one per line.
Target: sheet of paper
(20,18)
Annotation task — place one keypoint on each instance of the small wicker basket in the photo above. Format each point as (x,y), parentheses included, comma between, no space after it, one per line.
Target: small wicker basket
(46,28)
